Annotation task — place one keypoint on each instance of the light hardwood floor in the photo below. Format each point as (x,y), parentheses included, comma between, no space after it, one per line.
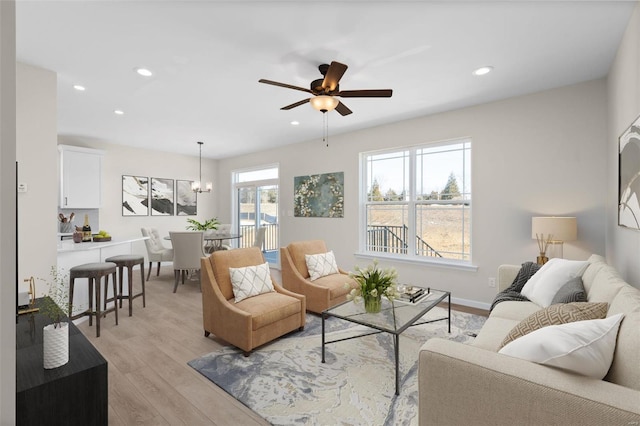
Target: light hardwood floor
(150,382)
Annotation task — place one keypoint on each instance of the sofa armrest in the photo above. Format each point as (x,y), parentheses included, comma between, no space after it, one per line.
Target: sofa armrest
(506,275)
(462,384)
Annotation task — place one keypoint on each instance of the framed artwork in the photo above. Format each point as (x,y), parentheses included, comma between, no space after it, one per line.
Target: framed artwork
(135,195)
(161,197)
(629,177)
(186,199)
(319,195)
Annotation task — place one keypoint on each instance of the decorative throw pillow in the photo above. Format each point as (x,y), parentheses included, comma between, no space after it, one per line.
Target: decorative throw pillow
(321,265)
(582,347)
(572,291)
(545,283)
(250,281)
(555,315)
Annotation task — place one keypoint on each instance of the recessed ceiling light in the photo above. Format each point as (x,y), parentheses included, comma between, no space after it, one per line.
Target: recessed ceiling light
(483,70)
(144,72)
(79,88)
(295,123)
(118,112)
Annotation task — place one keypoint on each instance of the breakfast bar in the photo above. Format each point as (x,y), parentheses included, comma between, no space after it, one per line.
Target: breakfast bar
(71,254)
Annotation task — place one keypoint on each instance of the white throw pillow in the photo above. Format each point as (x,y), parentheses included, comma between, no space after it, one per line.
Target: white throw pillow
(544,284)
(250,281)
(321,265)
(583,347)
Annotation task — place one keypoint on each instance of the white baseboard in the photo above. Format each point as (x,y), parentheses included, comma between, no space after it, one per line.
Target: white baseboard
(471,303)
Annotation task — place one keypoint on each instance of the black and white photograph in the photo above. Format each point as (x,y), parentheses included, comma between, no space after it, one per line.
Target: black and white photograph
(135,195)
(161,197)
(186,199)
(629,175)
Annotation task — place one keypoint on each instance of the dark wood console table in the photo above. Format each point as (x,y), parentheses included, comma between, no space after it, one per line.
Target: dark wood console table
(73,394)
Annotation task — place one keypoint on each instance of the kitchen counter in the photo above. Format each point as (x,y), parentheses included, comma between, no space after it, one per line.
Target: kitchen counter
(69,246)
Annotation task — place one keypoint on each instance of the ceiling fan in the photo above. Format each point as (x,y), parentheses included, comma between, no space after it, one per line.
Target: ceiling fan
(325,90)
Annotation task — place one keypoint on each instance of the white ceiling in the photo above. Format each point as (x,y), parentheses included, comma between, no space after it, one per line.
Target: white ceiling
(207,58)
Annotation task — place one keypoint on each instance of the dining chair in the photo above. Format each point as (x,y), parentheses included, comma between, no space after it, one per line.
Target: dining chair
(224,228)
(259,240)
(156,251)
(188,249)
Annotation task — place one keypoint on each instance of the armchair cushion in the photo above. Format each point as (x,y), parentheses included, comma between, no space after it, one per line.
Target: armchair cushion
(269,308)
(336,284)
(321,265)
(250,281)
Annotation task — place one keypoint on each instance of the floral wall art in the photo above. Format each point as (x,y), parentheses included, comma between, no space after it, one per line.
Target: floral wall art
(629,177)
(319,195)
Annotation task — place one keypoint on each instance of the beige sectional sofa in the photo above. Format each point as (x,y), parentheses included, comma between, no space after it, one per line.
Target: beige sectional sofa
(472,384)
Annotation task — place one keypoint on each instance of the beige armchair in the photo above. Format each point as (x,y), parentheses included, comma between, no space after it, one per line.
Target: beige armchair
(322,293)
(253,321)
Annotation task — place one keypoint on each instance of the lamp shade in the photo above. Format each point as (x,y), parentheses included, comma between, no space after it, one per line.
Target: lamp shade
(554,228)
(324,103)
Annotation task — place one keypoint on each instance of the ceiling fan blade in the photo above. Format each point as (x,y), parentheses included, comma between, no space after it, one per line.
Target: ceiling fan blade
(334,74)
(286,86)
(375,93)
(302,102)
(342,109)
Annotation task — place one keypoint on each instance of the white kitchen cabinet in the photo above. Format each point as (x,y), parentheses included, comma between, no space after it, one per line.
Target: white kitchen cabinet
(80,177)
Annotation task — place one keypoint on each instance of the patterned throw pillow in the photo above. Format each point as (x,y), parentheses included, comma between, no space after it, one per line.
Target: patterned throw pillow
(555,315)
(321,265)
(572,291)
(250,281)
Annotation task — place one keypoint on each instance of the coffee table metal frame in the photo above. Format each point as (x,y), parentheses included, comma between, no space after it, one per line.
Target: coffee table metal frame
(394,318)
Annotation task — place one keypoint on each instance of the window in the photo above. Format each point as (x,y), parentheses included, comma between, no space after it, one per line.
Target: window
(417,201)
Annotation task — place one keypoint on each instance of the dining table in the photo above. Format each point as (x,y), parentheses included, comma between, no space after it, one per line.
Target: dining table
(213,242)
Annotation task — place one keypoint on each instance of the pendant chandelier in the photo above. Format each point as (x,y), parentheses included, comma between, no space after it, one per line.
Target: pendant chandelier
(197,186)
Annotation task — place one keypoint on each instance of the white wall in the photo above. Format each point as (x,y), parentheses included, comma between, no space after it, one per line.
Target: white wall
(36,151)
(7,212)
(540,154)
(623,89)
(122,160)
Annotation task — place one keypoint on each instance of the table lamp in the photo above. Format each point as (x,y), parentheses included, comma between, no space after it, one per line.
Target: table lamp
(552,230)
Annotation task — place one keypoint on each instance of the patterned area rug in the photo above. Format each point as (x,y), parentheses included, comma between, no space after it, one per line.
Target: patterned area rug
(286,383)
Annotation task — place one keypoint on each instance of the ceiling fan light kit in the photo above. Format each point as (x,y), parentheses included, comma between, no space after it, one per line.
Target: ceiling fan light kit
(326,90)
(324,103)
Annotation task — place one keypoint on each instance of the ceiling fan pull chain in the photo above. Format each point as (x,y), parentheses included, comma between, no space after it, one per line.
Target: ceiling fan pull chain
(325,128)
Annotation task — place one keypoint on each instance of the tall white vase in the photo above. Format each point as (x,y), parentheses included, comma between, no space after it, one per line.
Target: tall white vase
(55,345)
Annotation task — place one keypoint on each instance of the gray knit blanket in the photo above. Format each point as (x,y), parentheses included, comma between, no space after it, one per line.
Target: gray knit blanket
(513,291)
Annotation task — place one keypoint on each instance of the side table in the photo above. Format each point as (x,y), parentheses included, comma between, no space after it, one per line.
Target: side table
(73,394)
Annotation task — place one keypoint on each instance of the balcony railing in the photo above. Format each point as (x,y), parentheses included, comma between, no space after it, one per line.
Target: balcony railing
(393,239)
(248,233)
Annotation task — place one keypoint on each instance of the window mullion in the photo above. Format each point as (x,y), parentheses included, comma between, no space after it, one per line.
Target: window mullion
(411,205)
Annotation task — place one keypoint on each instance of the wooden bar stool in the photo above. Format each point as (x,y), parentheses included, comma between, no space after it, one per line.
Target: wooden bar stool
(94,273)
(129,261)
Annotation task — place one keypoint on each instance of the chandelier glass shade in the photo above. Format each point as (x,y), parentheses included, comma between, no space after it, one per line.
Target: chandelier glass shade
(196,186)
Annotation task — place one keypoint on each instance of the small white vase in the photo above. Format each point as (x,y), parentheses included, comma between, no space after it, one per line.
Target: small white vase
(55,345)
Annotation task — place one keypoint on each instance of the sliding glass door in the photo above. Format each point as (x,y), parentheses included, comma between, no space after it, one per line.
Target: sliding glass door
(257,207)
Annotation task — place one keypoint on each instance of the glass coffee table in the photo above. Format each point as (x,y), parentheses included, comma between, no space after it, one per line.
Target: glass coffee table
(394,318)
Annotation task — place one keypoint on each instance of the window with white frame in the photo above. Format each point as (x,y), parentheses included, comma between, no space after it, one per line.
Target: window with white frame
(417,201)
